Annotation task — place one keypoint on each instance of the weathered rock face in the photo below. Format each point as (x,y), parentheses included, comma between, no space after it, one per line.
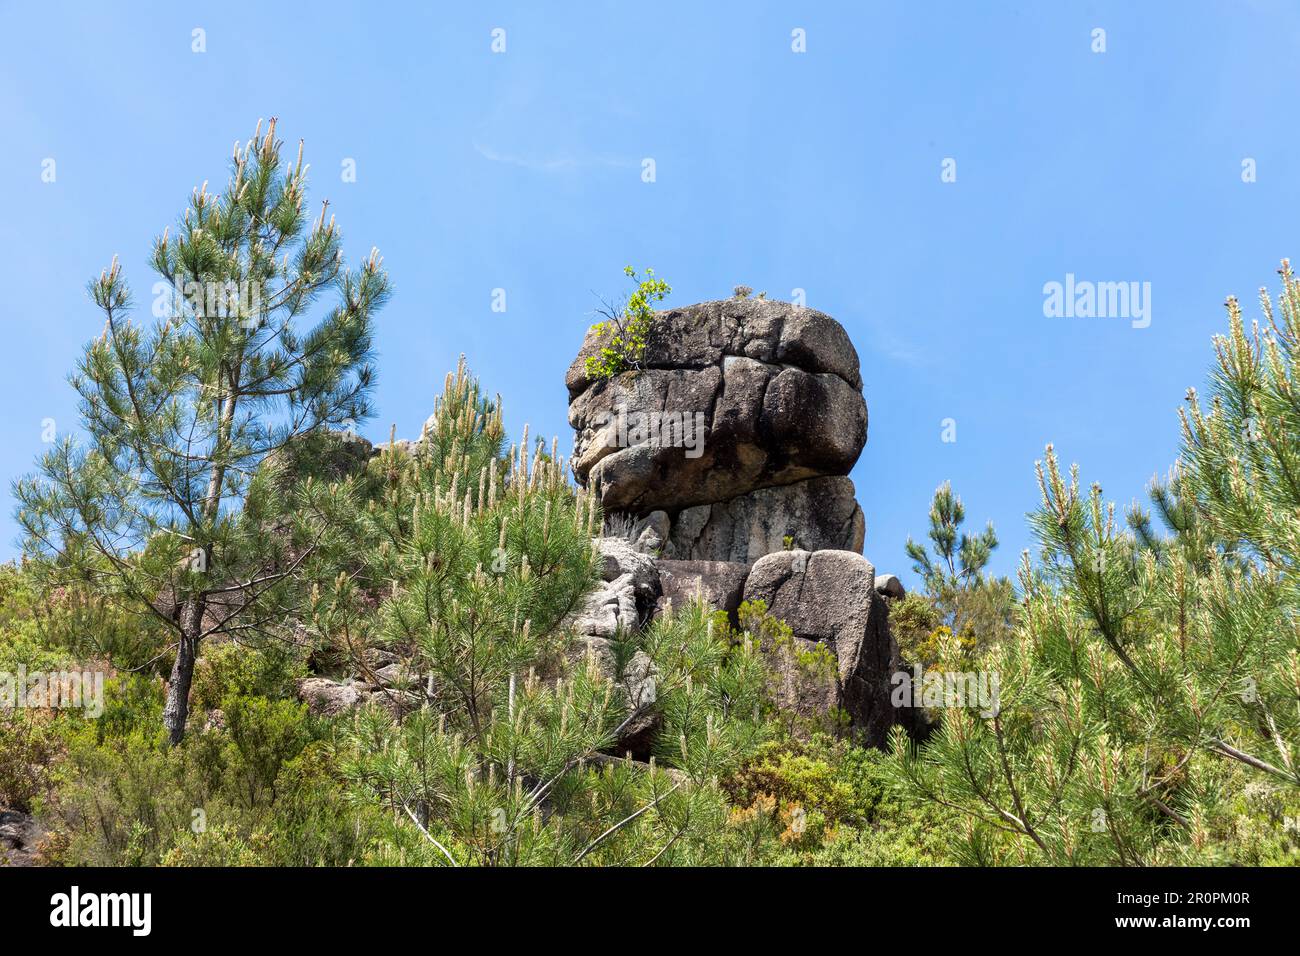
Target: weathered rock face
(20,839)
(720,584)
(627,597)
(733,396)
(829,598)
(815,514)
(328,698)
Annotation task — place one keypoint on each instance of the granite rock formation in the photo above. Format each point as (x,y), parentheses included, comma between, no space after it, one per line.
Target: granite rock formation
(724,460)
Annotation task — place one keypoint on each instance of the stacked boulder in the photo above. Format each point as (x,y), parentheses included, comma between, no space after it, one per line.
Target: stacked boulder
(725,459)
(755,416)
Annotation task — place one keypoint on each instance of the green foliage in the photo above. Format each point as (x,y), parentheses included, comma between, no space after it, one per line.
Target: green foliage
(527,782)
(975,616)
(265,734)
(498,752)
(260,791)
(45,624)
(29,746)
(627,328)
(831,803)
(792,668)
(962,605)
(915,623)
(216,846)
(179,413)
(243,671)
(981,613)
(472,556)
(1151,679)
(257,786)
(959,558)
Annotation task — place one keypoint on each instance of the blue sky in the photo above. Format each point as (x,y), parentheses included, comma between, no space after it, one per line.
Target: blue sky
(775,169)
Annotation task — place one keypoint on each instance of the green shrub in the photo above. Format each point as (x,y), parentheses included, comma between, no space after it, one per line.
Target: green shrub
(216,846)
(131,702)
(128,800)
(261,789)
(45,626)
(29,745)
(831,803)
(265,734)
(626,328)
(234,668)
(805,665)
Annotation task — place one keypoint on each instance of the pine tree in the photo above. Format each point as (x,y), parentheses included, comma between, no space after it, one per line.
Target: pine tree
(959,557)
(179,413)
(1151,676)
(960,599)
(497,750)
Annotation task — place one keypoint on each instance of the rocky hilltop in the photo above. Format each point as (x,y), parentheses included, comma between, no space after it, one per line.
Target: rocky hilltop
(722,464)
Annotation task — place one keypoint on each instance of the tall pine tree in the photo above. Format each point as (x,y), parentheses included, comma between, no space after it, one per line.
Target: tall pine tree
(179,412)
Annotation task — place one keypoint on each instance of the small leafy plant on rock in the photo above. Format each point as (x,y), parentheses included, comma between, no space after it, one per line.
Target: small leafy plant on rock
(626,328)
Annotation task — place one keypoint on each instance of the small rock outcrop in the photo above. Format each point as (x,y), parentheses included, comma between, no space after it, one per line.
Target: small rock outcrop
(724,462)
(327,698)
(20,839)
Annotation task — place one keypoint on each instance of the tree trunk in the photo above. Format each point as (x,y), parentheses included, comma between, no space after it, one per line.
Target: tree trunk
(177,708)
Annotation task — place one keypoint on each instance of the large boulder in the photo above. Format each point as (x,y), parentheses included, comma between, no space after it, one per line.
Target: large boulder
(829,597)
(816,514)
(732,396)
(722,464)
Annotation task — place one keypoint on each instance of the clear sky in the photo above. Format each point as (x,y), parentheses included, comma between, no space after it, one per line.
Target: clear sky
(779,170)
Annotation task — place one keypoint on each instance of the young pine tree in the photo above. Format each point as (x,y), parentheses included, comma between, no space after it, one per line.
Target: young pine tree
(1152,679)
(959,558)
(179,412)
(494,753)
(960,599)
